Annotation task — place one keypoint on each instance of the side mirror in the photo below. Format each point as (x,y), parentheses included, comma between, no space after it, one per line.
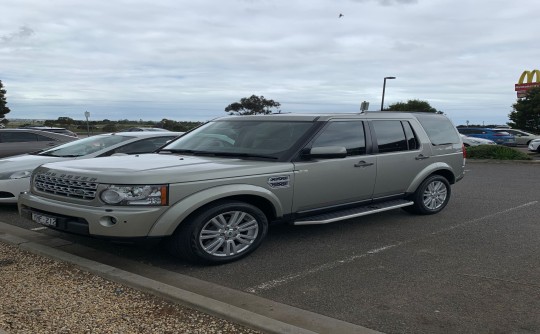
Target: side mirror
(327,152)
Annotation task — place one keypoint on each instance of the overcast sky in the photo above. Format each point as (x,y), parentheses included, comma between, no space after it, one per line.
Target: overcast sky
(187,60)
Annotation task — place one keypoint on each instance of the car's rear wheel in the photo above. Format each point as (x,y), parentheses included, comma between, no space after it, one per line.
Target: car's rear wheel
(219,233)
(431,196)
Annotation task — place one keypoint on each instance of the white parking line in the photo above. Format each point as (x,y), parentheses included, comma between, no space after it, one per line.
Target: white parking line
(289,278)
(38,228)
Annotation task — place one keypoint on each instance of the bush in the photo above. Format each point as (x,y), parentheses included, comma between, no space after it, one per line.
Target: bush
(495,152)
(110,128)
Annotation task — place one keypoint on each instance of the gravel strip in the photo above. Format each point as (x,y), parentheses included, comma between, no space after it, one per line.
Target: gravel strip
(41,295)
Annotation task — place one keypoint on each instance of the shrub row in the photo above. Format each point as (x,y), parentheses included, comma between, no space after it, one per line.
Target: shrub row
(495,152)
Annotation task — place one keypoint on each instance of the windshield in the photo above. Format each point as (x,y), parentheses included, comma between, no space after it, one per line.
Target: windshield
(241,138)
(84,146)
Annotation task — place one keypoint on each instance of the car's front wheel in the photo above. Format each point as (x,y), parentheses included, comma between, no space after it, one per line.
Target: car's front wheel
(431,196)
(222,232)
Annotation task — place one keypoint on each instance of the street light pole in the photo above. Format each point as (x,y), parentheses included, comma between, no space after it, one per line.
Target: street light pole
(383,89)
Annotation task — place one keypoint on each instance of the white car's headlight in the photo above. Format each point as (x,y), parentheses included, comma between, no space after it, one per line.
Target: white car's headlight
(135,195)
(15,175)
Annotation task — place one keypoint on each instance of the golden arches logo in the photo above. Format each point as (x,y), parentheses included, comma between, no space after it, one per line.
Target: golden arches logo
(522,87)
(530,77)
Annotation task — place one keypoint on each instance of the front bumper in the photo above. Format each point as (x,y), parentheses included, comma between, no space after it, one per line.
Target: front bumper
(106,221)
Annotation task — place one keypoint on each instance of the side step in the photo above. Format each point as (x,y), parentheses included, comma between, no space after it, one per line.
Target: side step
(326,218)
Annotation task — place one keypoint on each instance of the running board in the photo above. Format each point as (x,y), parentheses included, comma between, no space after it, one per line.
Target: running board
(353,213)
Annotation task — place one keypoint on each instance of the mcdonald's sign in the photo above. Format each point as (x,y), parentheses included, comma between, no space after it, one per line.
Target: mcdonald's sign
(528,79)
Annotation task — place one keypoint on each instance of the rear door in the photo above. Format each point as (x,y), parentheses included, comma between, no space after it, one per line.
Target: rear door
(400,156)
(327,183)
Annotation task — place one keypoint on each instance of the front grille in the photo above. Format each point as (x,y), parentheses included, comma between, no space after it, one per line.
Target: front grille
(66,185)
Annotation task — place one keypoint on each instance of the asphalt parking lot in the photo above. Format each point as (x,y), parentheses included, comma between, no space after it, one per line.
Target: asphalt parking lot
(473,268)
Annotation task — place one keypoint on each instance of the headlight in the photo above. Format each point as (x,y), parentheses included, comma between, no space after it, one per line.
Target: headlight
(15,175)
(135,195)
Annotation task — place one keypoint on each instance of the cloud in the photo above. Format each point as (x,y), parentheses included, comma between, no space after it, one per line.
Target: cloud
(23,33)
(389,2)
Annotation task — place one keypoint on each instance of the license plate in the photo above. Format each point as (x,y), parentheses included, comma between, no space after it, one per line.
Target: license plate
(44,220)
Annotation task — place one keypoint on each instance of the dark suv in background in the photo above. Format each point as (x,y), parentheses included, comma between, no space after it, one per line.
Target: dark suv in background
(499,136)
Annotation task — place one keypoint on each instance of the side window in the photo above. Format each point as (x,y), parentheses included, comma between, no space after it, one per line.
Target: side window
(43,138)
(390,136)
(18,137)
(412,141)
(349,134)
(439,129)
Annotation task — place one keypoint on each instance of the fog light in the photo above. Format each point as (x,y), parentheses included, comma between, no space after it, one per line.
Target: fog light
(107,221)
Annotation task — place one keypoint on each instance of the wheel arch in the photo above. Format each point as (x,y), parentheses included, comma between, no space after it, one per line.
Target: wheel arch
(441,169)
(262,198)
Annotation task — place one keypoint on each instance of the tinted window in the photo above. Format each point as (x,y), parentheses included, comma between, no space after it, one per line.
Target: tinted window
(390,136)
(412,141)
(350,135)
(439,129)
(16,137)
(43,138)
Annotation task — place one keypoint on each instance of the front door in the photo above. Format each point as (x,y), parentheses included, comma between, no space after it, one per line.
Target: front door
(320,183)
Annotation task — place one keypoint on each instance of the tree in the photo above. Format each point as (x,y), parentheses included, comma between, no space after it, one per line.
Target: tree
(3,108)
(253,105)
(413,105)
(526,112)
(65,121)
(177,126)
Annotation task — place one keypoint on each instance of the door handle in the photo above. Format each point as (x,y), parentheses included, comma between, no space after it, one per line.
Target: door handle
(421,157)
(363,164)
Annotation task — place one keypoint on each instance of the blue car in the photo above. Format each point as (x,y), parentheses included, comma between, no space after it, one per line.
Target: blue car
(498,136)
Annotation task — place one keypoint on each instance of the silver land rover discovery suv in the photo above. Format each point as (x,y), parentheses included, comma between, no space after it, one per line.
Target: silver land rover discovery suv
(214,191)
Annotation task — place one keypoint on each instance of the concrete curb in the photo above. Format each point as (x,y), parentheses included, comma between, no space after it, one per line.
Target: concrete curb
(8,234)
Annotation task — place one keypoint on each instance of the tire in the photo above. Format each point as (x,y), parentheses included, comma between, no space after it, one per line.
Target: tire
(222,232)
(431,196)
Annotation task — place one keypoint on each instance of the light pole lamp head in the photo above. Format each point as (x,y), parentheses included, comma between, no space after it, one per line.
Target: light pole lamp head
(389,77)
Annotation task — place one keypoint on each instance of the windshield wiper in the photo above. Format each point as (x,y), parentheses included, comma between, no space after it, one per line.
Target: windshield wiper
(179,151)
(243,155)
(59,156)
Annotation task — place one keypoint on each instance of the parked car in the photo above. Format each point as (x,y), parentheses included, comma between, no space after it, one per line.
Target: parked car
(20,141)
(63,131)
(472,141)
(213,192)
(144,129)
(534,145)
(522,137)
(15,171)
(499,136)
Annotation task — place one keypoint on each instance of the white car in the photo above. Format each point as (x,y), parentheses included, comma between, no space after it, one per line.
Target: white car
(473,141)
(15,171)
(522,137)
(534,145)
